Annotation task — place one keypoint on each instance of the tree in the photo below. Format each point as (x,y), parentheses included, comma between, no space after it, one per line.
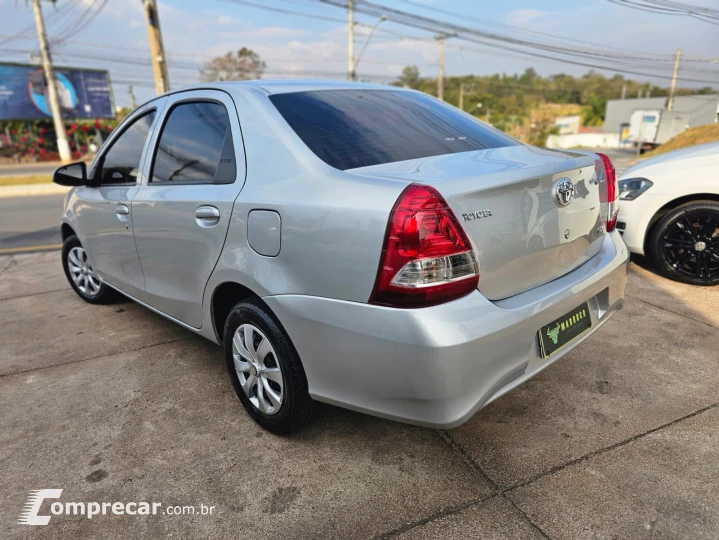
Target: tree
(594,112)
(244,65)
(410,77)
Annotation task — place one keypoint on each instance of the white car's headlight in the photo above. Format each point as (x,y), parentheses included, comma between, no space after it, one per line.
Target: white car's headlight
(631,189)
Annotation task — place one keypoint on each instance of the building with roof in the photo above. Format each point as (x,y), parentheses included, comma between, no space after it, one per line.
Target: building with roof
(702,109)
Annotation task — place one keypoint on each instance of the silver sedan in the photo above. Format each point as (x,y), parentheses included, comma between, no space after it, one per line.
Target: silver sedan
(365,246)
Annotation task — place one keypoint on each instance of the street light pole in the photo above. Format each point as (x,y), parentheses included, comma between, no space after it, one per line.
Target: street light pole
(63,146)
(369,37)
(670,103)
(440,75)
(350,41)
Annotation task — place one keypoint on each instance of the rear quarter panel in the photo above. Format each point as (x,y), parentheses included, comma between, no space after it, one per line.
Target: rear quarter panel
(332,224)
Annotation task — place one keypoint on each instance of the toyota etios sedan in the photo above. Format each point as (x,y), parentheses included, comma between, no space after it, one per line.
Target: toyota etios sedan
(365,246)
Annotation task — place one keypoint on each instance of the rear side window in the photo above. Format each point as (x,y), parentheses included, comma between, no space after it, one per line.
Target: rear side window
(358,128)
(195,146)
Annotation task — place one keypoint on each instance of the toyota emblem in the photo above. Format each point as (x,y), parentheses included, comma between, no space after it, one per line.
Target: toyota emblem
(564,191)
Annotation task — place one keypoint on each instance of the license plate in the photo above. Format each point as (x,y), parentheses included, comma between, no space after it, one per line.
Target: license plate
(564,330)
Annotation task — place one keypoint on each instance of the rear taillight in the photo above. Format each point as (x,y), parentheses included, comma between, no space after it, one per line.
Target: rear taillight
(427,258)
(608,191)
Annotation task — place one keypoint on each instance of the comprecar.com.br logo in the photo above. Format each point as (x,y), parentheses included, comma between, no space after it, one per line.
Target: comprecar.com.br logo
(30,514)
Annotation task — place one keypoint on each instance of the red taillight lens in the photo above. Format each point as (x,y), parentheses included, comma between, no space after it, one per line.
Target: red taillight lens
(427,258)
(608,191)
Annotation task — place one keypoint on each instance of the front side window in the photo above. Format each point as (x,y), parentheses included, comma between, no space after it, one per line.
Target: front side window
(358,128)
(195,145)
(121,163)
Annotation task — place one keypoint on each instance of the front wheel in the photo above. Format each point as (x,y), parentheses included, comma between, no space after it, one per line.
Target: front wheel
(265,369)
(685,243)
(82,276)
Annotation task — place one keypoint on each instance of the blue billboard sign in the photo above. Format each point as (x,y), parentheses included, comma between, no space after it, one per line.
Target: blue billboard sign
(82,93)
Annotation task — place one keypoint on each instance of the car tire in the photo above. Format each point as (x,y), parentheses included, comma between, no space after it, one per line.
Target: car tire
(263,365)
(81,275)
(685,244)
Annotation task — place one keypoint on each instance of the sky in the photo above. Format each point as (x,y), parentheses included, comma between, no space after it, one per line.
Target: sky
(300,46)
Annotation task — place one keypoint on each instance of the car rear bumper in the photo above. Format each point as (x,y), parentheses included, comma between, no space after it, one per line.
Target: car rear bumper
(437,366)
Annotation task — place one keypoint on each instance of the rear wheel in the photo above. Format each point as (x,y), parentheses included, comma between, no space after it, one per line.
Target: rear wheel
(265,369)
(685,243)
(82,276)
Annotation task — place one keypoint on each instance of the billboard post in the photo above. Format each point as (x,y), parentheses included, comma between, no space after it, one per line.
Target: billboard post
(63,146)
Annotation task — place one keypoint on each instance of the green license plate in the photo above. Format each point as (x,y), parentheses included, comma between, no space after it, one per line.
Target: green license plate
(564,330)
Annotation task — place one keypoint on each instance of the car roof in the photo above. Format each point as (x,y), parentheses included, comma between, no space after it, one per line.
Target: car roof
(284,86)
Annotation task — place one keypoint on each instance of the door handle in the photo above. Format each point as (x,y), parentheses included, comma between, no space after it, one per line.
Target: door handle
(207,216)
(123,212)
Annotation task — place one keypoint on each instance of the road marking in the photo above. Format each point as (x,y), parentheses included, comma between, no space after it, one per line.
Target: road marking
(31,248)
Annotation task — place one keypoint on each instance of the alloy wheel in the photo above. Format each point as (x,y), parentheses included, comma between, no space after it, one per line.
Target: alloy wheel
(257,369)
(691,245)
(82,273)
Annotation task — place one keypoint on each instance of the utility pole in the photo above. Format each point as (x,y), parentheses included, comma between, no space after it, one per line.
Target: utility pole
(350,41)
(461,96)
(131,91)
(63,146)
(624,91)
(670,103)
(157,50)
(440,76)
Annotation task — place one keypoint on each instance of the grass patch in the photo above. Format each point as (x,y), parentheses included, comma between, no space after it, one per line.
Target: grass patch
(690,137)
(25,180)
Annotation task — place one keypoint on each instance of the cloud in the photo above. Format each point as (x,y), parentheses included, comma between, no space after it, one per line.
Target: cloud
(524,16)
(268,32)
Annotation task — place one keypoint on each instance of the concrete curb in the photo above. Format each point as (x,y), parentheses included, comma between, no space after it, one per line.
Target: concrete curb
(31,189)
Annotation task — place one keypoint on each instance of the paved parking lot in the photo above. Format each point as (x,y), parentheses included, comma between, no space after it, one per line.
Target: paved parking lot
(112,403)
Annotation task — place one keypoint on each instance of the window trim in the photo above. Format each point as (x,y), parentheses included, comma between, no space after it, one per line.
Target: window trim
(156,147)
(100,160)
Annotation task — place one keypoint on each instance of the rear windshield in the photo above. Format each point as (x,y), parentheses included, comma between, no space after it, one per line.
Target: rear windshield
(358,128)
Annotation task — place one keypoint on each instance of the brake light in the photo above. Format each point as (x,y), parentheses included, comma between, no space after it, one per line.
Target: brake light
(608,191)
(427,258)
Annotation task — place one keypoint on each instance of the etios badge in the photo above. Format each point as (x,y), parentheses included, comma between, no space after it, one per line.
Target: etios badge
(564,191)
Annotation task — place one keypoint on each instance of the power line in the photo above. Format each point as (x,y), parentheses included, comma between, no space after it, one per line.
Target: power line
(668,7)
(31,26)
(286,11)
(517,29)
(81,22)
(530,48)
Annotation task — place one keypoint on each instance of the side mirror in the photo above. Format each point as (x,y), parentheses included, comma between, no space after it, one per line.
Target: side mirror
(74,174)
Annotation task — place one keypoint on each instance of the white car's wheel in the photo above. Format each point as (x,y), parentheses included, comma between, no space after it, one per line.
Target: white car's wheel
(685,243)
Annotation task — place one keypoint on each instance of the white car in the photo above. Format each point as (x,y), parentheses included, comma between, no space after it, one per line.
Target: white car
(669,211)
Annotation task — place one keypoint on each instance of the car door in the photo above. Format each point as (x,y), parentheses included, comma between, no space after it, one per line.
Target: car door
(181,214)
(104,212)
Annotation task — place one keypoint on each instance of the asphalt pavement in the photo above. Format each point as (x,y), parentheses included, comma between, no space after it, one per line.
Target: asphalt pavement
(616,440)
(30,223)
(29,169)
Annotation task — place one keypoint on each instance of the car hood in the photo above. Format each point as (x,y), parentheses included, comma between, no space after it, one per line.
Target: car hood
(699,153)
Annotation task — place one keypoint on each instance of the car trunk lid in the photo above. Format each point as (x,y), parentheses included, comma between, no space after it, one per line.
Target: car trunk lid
(507,201)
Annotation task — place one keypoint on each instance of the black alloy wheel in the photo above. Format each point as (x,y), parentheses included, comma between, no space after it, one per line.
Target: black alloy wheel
(685,243)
